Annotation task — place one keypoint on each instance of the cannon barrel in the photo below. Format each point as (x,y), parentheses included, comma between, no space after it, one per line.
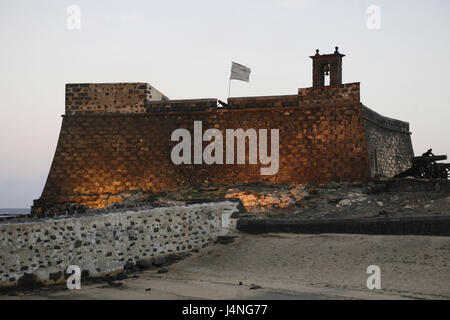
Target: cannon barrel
(425,166)
(429,158)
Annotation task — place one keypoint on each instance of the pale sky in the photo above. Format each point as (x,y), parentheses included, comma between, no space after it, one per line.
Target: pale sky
(185,48)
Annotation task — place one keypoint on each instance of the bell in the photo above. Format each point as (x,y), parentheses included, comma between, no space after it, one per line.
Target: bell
(326,69)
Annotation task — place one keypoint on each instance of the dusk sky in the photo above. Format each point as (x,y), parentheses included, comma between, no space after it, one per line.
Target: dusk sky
(185,48)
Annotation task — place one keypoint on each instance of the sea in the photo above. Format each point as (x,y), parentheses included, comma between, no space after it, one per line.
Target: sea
(8,212)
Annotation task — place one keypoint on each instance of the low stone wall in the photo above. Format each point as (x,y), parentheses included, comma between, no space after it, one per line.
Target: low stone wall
(429,226)
(104,244)
(418,185)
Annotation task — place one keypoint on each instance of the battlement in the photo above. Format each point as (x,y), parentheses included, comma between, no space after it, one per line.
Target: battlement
(325,95)
(102,98)
(344,93)
(263,101)
(384,122)
(185,105)
(94,98)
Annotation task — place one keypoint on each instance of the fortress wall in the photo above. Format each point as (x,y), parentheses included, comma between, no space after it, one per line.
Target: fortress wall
(93,98)
(329,95)
(109,147)
(193,105)
(104,244)
(112,153)
(388,143)
(265,101)
(344,93)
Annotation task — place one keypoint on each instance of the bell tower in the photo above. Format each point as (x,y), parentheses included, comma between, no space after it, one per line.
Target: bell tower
(327,64)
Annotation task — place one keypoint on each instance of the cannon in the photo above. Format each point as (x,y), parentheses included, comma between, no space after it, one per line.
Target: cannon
(426,167)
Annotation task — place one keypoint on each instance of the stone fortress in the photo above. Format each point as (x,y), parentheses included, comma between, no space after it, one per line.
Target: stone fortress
(116,137)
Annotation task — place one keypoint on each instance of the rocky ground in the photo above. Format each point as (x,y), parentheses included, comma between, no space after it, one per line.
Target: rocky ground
(339,201)
(305,202)
(334,200)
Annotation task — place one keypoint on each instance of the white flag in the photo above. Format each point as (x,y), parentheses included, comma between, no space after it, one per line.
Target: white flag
(240,72)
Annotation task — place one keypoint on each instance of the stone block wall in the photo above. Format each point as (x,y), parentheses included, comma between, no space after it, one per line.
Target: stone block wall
(388,144)
(260,102)
(193,105)
(109,153)
(103,244)
(92,98)
(344,93)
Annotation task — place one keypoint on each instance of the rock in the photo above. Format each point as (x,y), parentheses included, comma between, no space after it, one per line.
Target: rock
(183,255)
(376,188)
(254,287)
(163,270)
(159,261)
(84,274)
(357,197)
(384,213)
(333,185)
(121,276)
(148,289)
(344,203)
(272,200)
(29,281)
(285,205)
(334,200)
(171,258)
(55,276)
(115,284)
(287,199)
(380,204)
(128,266)
(249,198)
(357,184)
(209,188)
(313,191)
(144,263)
(109,278)
(225,239)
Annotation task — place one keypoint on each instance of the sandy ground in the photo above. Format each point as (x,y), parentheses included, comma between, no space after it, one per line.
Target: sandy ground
(288,266)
